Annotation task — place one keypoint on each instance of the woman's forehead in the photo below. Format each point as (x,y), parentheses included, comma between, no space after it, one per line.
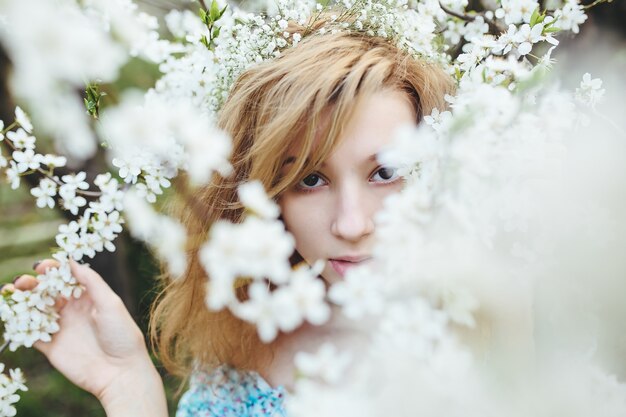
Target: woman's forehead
(371,128)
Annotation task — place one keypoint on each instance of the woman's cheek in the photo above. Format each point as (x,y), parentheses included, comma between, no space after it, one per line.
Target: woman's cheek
(304,217)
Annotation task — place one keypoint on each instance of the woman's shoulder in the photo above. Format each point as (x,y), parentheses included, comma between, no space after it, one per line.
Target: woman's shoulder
(229,392)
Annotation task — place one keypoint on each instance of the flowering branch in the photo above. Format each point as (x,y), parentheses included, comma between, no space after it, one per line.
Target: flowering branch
(595,3)
(50,176)
(494,26)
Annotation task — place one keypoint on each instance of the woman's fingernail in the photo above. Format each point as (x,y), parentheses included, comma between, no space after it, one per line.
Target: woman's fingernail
(36,264)
(16,278)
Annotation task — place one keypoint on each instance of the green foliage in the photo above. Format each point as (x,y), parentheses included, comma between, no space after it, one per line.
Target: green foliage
(92,99)
(209,17)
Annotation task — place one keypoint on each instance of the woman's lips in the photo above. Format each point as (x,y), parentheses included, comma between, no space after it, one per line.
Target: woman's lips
(341,265)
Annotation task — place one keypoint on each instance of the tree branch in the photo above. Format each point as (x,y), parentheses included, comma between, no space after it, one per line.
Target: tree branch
(494,27)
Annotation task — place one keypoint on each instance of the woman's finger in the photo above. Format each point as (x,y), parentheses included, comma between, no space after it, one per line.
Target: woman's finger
(59,303)
(42,266)
(7,288)
(99,291)
(25,282)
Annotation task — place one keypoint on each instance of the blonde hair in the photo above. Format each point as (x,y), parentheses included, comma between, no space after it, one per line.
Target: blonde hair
(310,91)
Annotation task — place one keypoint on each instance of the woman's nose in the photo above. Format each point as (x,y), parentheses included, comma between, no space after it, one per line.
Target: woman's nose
(352,219)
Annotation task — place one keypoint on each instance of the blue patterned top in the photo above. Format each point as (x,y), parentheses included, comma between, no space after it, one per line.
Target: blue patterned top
(228,392)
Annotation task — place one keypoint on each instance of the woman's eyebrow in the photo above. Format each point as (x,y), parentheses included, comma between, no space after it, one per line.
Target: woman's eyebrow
(292,159)
(289,160)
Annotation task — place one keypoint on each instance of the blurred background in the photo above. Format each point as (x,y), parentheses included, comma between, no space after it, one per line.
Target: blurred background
(27,233)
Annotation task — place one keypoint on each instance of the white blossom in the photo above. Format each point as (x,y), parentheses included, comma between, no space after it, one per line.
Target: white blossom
(26,160)
(22,119)
(53,161)
(570,16)
(359,294)
(252,196)
(68,191)
(45,192)
(475,29)
(9,386)
(412,326)
(230,247)
(13,175)
(76,181)
(438,120)
(21,139)
(328,363)
(260,310)
(58,281)
(111,198)
(166,236)
(108,225)
(129,170)
(527,36)
(516,11)
(301,299)
(590,91)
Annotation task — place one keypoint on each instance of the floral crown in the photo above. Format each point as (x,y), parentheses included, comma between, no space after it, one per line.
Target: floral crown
(254,38)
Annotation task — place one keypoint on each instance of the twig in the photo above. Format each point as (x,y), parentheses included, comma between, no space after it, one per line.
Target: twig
(595,3)
(55,179)
(494,27)
(4,346)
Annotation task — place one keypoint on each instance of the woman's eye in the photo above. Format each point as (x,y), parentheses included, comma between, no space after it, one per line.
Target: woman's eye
(385,174)
(311,181)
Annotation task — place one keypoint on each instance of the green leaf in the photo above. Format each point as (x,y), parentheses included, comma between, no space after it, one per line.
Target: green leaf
(536,17)
(216,32)
(92,99)
(214,12)
(457,73)
(222,12)
(204,16)
(547,25)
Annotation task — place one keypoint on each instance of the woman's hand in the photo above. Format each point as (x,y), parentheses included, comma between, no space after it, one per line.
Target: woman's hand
(100,348)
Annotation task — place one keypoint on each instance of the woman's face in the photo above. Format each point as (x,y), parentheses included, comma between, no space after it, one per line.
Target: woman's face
(330,211)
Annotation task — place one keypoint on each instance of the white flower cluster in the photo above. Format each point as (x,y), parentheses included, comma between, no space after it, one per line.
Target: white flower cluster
(456,162)
(9,386)
(491,42)
(328,364)
(137,30)
(54,48)
(250,40)
(29,316)
(570,16)
(166,236)
(262,237)
(100,222)
(24,160)
(151,140)
(206,76)
(472,221)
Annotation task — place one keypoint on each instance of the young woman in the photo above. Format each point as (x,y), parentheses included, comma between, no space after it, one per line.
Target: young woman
(309,126)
